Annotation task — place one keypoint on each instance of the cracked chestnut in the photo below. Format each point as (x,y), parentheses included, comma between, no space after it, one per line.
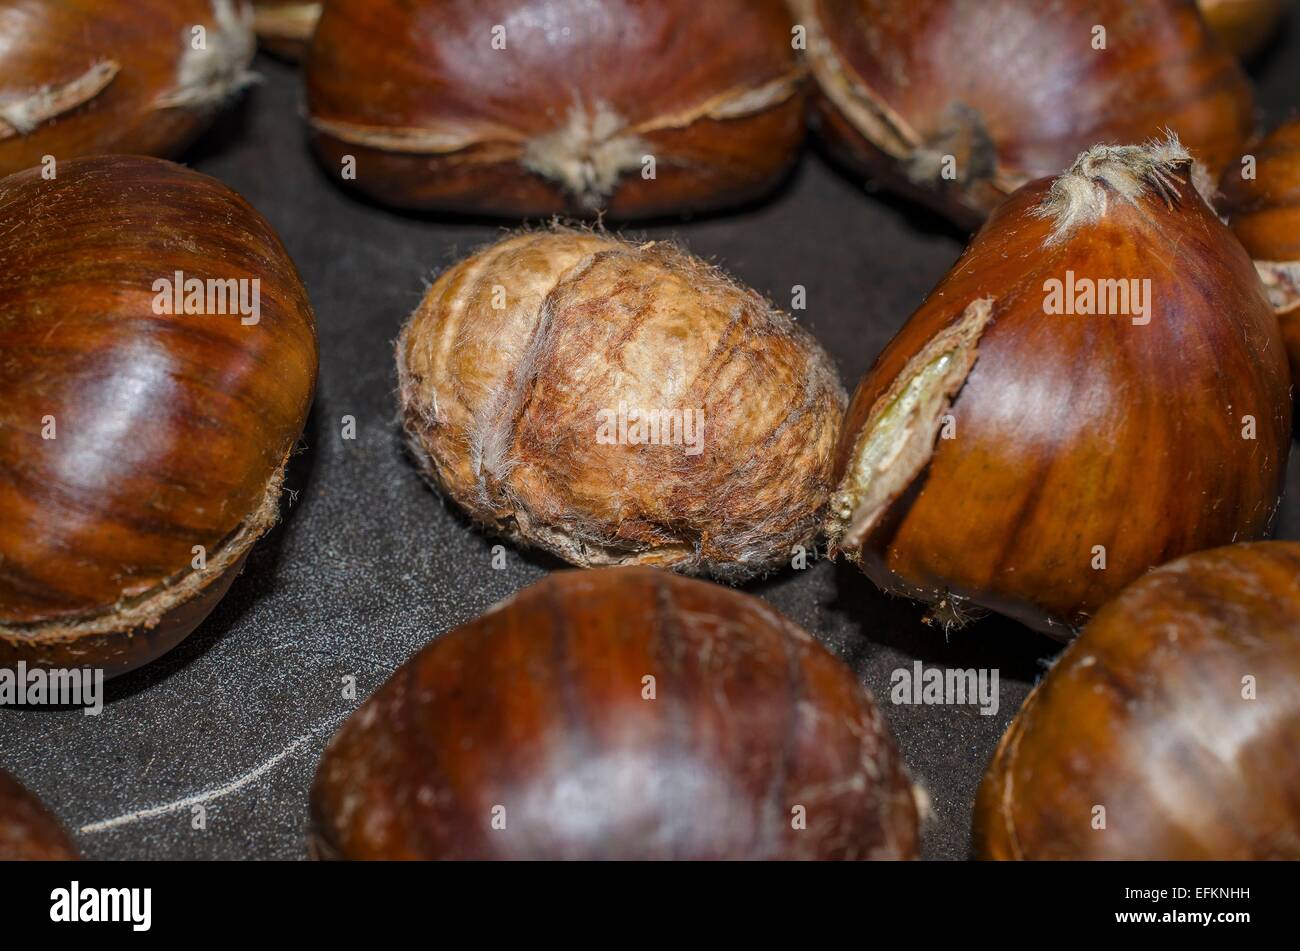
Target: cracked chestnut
(959,104)
(1098,385)
(28,831)
(614,403)
(142,444)
(90,77)
(539,107)
(621,713)
(1169,730)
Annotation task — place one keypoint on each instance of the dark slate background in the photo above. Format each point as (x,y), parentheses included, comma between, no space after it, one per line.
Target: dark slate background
(369,564)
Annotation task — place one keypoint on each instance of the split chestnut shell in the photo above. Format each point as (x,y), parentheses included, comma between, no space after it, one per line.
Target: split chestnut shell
(622,713)
(1169,730)
(539,107)
(615,403)
(1098,386)
(142,444)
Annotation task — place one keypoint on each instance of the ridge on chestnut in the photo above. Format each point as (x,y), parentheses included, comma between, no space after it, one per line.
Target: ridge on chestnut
(530,108)
(94,77)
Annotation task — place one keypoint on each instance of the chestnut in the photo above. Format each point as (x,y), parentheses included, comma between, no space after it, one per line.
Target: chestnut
(538,107)
(1096,387)
(285,26)
(146,412)
(1264,211)
(1170,729)
(28,831)
(88,77)
(614,403)
(959,104)
(621,713)
(1244,26)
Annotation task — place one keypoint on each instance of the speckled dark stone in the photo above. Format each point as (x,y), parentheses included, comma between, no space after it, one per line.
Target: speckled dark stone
(369,564)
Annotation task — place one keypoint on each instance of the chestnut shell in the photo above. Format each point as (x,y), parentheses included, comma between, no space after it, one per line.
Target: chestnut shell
(90,77)
(28,831)
(560,120)
(285,27)
(1013,89)
(1073,431)
(1244,26)
(1264,212)
(170,431)
(1146,715)
(536,714)
(503,405)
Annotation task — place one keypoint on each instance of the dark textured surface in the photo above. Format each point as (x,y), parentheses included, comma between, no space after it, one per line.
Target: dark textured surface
(369,564)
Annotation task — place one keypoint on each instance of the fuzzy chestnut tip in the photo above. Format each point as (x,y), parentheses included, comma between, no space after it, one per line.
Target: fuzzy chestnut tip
(1082,194)
(615,403)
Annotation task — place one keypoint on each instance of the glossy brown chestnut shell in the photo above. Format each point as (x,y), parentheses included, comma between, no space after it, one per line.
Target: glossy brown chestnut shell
(614,403)
(1170,729)
(285,27)
(617,713)
(1013,452)
(89,77)
(536,107)
(959,104)
(1244,26)
(1264,212)
(129,436)
(28,831)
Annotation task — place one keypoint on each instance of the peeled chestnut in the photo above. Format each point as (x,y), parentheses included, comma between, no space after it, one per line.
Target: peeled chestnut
(1097,386)
(1169,730)
(1244,26)
(285,26)
(614,403)
(88,77)
(959,104)
(28,831)
(623,713)
(1264,211)
(159,359)
(536,107)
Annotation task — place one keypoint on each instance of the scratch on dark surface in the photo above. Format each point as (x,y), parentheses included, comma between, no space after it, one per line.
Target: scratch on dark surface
(207,795)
